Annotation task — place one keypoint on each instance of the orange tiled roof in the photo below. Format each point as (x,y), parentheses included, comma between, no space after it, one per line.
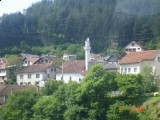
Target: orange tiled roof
(35,68)
(74,66)
(134,57)
(33,59)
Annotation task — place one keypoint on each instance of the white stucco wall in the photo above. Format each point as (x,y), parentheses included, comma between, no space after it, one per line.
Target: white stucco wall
(69,76)
(157,65)
(136,46)
(48,74)
(3,75)
(124,68)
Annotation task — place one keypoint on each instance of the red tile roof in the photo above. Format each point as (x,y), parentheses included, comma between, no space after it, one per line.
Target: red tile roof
(134,57)
(74,66)
(33,59)
(35,68)
(9,89)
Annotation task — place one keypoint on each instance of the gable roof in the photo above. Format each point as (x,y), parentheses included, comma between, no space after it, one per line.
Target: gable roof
(133,42)
(35,68)
(50,58)
(134,57)
(74,66)
(32,59)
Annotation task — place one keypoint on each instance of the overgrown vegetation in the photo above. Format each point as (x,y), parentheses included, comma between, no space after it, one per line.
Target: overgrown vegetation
(89,100)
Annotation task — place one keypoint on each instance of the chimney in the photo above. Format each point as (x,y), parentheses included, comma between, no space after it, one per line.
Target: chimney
(87,49)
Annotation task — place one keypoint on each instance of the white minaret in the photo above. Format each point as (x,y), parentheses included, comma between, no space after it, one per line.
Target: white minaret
(87,49)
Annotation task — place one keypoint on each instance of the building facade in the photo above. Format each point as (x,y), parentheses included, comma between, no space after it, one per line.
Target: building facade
(134,47)
(135,62)
(36,74)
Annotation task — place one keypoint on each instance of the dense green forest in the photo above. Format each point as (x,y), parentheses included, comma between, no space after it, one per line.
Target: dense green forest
(108,24)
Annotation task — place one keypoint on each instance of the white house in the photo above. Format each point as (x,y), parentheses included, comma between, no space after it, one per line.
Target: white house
(134,62)
(134,47)
(72,70)
(28,59)
(3,71)
(36,74)
(69,57)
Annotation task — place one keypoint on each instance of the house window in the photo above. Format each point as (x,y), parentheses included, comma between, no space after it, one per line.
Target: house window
(21,76)
(158,59)
(51,69)
(29,76)
(80,79)
(37,83)
(134,49)
(48,75)
(129,50)
(132,44)
(42,61)
(2,71)
(125,70)
(135,69)
(138,48)
(37,75)
(3,77)
(29,83)
(121,70)
(21,83)
(129,70)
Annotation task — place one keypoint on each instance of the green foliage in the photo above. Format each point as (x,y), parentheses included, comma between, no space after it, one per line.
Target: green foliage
(121,111)
(149,82)
(88,100)
(75,112)
(92,94)
(19,104)
(152,109)
(48,108)
(60,22)
(51,86)
(130,85)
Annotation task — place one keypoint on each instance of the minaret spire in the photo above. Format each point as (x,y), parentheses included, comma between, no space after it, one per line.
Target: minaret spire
(87,49)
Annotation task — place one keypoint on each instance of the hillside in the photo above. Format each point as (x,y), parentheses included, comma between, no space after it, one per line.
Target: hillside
(106,22)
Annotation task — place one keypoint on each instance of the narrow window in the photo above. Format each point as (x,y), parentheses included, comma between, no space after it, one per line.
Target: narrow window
(121,70)
(29,83)
(135,69)
(125,70)
(29,76)
(37,75)
(48,75)
(21,76)
(129,70)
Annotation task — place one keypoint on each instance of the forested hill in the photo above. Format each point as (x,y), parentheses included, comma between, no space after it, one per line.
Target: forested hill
(105,22)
